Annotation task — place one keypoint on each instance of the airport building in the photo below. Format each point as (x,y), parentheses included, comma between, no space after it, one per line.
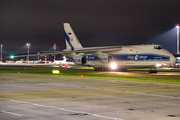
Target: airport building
(177,62)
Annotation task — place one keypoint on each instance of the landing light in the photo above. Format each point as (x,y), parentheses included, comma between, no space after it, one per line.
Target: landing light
(113,65)
(158,65)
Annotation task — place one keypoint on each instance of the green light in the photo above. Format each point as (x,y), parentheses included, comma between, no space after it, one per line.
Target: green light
(12,56)
(55,71)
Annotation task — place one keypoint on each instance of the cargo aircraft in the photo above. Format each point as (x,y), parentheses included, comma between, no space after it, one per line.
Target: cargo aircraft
(114,57)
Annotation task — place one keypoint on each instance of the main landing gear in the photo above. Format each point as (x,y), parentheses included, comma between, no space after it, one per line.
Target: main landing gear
(153,71)
(102,69)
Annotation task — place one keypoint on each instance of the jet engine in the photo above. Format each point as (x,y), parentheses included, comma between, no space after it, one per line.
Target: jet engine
(80,60)
(77,59)
(103,57)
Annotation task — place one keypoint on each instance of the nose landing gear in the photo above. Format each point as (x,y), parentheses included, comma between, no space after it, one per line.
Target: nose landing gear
(102,69)
(153,71)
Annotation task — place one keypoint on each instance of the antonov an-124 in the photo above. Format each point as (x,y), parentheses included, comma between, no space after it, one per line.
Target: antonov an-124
(115,57)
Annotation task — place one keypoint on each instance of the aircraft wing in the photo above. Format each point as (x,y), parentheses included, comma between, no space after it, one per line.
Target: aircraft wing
(83,50)
(91,50)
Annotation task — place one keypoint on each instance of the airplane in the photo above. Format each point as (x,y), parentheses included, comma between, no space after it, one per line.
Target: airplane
(107,58)
(115,57)
(20,61)
(63,62)
(38,61)
(60,61)
(32,62)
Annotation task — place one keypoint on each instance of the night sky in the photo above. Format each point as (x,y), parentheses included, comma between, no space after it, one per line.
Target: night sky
(95,22)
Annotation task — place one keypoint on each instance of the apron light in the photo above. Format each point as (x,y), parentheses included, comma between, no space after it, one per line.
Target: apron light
(55,71)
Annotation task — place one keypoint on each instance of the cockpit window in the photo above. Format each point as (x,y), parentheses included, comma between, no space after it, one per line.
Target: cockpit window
(158,47)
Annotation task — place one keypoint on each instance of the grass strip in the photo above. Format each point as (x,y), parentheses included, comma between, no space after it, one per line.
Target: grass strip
(170,79)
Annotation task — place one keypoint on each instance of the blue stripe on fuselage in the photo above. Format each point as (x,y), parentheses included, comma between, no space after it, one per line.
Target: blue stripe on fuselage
(68,40)
(141,57)
(132,57)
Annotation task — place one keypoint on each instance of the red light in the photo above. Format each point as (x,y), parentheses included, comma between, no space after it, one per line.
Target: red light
(54,44)
(177,26)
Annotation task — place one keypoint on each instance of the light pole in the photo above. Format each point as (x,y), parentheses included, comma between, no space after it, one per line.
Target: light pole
(177,38)
(45,58)
(1,52)
(28,51)
(54,50)
(38,55)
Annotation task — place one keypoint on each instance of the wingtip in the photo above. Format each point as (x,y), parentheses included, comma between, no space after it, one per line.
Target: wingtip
(66,24)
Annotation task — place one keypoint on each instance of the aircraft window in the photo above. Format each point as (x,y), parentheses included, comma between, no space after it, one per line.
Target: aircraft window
(158,47)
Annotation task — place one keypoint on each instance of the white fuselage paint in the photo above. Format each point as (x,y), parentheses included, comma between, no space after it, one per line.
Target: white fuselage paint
(131,56)
(138,57)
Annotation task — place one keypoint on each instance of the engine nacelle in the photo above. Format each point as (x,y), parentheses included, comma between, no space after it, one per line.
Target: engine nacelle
(91,60)
(104,58)
(110,59)
(80,60)
(77,59)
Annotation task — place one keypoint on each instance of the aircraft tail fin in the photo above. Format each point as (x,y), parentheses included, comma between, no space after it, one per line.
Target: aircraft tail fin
(72,41)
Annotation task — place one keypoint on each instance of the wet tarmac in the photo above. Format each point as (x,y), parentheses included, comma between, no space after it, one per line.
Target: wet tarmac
(32,97)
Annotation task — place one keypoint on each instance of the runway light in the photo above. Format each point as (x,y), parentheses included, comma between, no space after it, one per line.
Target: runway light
(55,71)
(82,76)
(113,65)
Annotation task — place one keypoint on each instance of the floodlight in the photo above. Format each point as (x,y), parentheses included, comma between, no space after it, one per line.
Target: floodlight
(177,26)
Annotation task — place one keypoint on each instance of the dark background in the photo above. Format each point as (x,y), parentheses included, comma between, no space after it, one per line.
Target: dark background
(95,22)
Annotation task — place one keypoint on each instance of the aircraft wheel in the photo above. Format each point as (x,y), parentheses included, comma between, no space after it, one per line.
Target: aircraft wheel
(108,69)
(103,69)
(152,71)
(95,69)
(100,69)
